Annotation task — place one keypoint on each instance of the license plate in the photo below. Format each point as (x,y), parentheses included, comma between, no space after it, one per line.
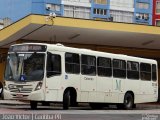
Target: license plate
(19,95)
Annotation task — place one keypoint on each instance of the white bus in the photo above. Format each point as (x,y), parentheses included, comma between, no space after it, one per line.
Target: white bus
(54,73)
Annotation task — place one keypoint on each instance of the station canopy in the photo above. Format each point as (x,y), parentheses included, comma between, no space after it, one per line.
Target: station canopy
(40,28)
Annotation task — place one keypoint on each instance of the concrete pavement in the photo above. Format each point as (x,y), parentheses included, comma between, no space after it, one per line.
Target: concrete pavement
(138,106)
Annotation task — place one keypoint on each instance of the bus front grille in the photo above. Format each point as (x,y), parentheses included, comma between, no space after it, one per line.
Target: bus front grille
(20,88)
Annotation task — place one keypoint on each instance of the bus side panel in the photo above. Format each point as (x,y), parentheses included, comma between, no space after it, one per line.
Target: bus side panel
(118,90)
(148,91)
(104,89)
(88,88)
(71,81)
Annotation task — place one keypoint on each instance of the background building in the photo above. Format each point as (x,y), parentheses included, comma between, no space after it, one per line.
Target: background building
(143,11)
(1,24)
(156,12)
(128,11)
(122,10)
(5,22)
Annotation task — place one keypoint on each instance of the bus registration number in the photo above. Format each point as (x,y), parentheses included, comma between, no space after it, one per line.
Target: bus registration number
(19,95)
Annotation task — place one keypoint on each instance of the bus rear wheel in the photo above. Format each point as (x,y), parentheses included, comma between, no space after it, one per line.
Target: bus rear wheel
(66,100)
(33,105)
(128,101)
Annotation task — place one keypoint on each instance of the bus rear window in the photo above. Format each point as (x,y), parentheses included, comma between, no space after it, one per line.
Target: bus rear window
(154,73)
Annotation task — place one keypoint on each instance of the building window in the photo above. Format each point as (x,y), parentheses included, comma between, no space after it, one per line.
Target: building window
(122,3)
(53,7)
(100,1)
(157,22)
(158,7)
(72,63)
(145,71)
(77,12)
(68,11)
(122,16)
(104,67)
(132,70)
(142,5)
(119,68)
(100,11)
(142,16)
(82,12)
(88,65)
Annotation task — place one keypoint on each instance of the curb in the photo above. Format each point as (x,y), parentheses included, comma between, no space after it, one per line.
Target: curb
(12,102)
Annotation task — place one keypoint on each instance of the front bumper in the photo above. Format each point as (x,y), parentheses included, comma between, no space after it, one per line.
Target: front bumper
(35,95)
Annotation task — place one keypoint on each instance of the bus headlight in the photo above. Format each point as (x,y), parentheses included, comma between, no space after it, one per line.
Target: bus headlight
(39,86)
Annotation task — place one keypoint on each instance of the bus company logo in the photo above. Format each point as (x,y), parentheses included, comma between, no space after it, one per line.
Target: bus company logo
(66,77)
(149,117)
(118,85)
(86,78)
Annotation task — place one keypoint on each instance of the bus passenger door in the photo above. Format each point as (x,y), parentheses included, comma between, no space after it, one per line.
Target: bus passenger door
(88,78)
(53,75)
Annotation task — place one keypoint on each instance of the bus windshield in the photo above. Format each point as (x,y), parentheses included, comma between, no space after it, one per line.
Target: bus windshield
(25,66)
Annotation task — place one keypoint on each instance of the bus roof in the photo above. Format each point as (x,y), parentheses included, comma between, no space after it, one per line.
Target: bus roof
(60,47)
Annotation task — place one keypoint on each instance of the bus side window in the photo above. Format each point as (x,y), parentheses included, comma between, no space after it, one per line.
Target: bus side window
(154,72)
(88,65)
(53,65)
(133,70)
(119,68)
(72,63)
(104,67)
(145,70)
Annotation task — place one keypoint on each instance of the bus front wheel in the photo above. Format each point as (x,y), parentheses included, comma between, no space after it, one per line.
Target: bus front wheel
(66,100)
(33,105)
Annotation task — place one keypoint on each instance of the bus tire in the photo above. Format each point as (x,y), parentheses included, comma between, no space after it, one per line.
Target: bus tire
(128,103)
(33,105)
(66,100)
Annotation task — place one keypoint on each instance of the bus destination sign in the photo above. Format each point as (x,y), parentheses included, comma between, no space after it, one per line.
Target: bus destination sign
(28,48)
